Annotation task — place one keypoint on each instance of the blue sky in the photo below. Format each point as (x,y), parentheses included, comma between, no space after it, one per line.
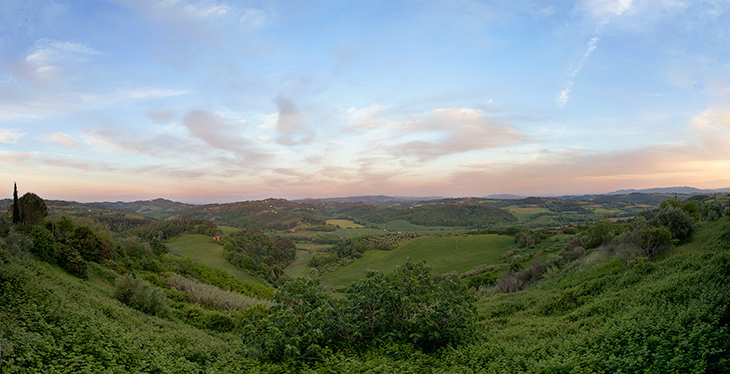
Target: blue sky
(217,101)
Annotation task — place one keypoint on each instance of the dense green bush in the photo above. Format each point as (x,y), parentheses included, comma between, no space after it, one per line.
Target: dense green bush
(411,304)
(678,221)
(18,244)
(408,305)
(44,244)
(139,294)
(655,240)
(70,259)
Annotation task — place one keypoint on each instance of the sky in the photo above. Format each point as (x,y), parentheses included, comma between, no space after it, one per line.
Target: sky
(214,101)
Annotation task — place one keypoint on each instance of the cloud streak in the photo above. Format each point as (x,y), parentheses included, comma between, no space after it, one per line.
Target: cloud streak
(573,71)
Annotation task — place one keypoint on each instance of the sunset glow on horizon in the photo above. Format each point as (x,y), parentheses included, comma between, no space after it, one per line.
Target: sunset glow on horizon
(213,101)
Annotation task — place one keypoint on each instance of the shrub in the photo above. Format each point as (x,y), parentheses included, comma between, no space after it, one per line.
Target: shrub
(18,244)
(655,240)
(211,296)
(408,305)
(679,222)
(44,244)
(139,294)
(70,259)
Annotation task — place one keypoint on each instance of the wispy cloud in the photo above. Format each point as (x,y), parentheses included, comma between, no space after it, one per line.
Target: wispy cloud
(10,136)
(573,71)
(223,135)
(50,61)
(16,158)
(79,165)
(700,157)
(428,136)
(291,123)
(64,139)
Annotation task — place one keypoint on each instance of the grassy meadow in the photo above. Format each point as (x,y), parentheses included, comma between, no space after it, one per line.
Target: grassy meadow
(202,248)
(444,254)
(344,223)
(299,268)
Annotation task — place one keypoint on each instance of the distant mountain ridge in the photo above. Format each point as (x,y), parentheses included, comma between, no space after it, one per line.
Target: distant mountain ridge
(679,190)
(369,199)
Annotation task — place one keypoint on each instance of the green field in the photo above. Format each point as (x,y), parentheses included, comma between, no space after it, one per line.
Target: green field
(299,268)
(443,254)
(405,226)
(344,223)
(350,233)
(201,248)
(524,214)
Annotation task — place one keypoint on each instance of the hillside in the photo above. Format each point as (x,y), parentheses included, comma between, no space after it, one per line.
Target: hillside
(585,302)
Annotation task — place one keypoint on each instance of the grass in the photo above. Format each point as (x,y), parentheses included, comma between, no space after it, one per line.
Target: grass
(350,233)
(212,296)
(405,226)
(228,229)
(524,214)
(443,254)
(344,223)
(599,314)
(201,248)
(299,268)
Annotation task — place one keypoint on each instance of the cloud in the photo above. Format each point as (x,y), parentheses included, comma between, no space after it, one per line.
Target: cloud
(214,130)
(573,71)
(40,104)
(603,11)
(290,124)
(50,61)
(65,139)
(10,136)
(79,165)
(431,135)
(15,158)
(145,93)
(161,115)
(700,157)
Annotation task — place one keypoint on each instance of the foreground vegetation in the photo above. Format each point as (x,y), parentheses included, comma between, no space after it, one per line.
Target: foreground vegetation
(647,295)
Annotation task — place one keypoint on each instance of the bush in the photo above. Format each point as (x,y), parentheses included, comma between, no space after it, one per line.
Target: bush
(211,296)
(679,222)
(18,244)
(44,244)
(408,305)
(70,259)
(655,240)
(139,294)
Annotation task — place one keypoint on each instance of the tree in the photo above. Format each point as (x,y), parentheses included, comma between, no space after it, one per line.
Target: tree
(32,209)
(90,245)
(655,240)
(408,305)
(16,210)
(44,244)
(678,221)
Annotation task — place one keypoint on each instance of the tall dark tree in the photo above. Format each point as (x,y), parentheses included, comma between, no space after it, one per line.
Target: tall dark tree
(16,209)
(32,209)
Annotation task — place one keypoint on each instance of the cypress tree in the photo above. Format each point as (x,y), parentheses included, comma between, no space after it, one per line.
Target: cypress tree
(16,209)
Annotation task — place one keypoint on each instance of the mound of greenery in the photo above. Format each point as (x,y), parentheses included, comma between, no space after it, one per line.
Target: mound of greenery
(269,214)
(408,305)
(257,252)
(437,215)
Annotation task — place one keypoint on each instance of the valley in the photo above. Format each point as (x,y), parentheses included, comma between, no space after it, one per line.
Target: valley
(530,285)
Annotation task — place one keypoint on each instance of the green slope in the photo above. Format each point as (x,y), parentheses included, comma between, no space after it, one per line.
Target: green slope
(444,254)
(202,248)
(601,313)
(53,322)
